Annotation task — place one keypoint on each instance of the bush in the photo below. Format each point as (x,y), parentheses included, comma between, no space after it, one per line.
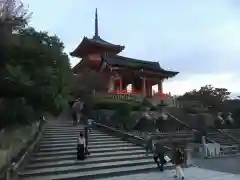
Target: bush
(192,110)
(116,105)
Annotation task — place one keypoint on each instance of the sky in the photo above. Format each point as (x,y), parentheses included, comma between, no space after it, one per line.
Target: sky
(198,38)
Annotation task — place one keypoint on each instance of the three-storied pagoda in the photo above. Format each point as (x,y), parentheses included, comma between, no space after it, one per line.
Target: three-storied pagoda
(102,56)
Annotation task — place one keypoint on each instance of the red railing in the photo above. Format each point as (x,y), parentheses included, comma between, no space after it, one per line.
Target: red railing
(126,92)
(130,92)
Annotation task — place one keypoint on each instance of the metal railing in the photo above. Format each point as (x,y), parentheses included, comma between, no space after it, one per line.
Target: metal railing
(229,135)
(188,127)
(137,140)
(140,141)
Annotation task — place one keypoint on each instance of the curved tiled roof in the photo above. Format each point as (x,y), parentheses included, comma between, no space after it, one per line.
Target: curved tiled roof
(120,61)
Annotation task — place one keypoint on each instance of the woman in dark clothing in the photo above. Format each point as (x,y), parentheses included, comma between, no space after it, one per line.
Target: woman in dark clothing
(81,147)
(178,160)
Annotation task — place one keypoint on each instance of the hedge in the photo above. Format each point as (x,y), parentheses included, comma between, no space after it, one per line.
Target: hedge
(115,105)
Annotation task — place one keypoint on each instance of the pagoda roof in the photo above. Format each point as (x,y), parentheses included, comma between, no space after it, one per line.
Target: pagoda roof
(92,44)
(121,61)
(96,41)
(100,41)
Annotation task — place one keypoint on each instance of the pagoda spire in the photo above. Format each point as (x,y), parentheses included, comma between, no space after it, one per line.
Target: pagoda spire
(96,25)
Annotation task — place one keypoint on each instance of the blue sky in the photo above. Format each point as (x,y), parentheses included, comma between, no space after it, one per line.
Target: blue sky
(199,38)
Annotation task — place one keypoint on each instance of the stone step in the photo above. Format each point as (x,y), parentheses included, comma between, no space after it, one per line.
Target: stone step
(69,131)
(90,174)
(74,142)
(85,167)
(74,135)
(63,127)
(107,138)
(73,146)
(56,156)
(98,150)
(66,131)
(90,160)
(36,157)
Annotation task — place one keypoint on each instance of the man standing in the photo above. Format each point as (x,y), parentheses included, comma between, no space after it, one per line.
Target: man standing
(158,154)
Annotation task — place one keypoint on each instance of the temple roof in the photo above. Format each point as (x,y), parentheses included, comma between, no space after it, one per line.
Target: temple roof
(96,40)
(120,61)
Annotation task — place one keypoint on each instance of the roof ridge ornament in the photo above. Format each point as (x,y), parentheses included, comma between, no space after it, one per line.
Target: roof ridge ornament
(96,25)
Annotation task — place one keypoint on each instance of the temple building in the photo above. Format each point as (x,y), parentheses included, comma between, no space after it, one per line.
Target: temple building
(102,56)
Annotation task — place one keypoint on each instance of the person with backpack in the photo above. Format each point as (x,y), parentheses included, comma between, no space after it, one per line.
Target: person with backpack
(158,154)
(76,111)
(178,160)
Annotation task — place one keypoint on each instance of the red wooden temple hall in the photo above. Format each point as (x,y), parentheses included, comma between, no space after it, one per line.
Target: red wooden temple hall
(102,56)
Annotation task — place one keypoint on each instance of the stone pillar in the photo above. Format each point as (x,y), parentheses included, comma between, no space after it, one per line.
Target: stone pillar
(144,87)
(149,88)
(160,88)
(111,84)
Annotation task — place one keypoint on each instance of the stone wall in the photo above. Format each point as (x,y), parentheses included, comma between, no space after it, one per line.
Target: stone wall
(13,140)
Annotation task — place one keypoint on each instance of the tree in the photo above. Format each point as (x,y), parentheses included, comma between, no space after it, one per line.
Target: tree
(38,77)
(208,96)
(13,16)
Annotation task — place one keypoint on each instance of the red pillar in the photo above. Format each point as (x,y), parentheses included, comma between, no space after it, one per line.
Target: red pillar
(144,87)
(121,84)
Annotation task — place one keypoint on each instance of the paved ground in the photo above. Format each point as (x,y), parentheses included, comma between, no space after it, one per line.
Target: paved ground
(229,165)
(193,173)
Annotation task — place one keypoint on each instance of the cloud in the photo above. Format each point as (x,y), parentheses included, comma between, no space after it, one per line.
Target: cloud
(195,81)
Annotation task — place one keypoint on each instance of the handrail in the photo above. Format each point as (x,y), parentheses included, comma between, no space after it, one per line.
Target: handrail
(124,133)
(119,131)
(229,135)
(185,124)
(13,166)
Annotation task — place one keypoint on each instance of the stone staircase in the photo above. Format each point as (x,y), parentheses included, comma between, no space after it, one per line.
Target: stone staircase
(229,145)
(55,156)
(233,132)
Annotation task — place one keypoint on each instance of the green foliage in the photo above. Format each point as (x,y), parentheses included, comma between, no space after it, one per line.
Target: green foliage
(116,105)
(15,111)
(121,116)
(208,96)
(192,110)
(145,103)
(37,71)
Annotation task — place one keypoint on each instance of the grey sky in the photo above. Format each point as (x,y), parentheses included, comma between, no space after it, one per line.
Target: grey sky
(199,38)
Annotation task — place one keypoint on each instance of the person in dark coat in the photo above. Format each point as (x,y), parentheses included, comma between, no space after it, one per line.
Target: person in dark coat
(178,160)
(81,147)
(148,143)
(158,154)
(76,111)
